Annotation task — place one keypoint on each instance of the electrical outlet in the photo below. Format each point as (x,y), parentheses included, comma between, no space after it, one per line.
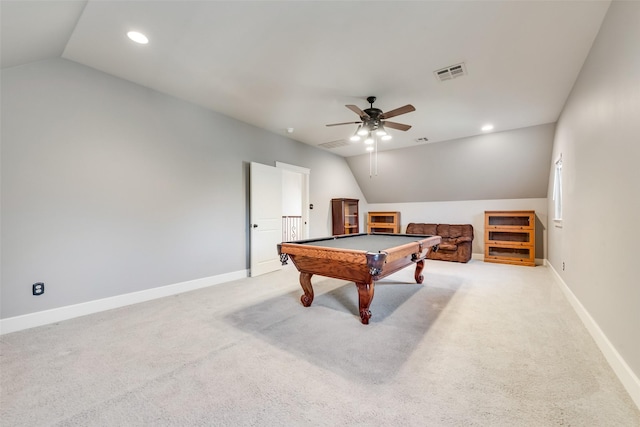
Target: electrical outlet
(38,288)
(562,265)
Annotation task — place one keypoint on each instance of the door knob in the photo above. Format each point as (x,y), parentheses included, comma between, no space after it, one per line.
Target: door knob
(255,225)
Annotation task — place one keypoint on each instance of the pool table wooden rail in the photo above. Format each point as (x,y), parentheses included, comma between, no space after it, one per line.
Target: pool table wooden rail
(359,266)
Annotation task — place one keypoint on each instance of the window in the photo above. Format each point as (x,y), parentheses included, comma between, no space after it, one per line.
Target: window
(557,191)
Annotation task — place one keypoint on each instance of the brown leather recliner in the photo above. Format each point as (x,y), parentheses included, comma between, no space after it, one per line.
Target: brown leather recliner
(456,243)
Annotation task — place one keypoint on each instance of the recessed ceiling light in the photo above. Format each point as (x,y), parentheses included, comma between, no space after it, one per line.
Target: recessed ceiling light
(138,37)
(487,128)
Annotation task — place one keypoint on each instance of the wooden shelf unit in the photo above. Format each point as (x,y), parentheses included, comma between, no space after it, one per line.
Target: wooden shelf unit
(509,237)
(383,222)
(345,216)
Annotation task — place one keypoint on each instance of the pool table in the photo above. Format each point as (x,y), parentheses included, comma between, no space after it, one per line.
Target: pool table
(360,258)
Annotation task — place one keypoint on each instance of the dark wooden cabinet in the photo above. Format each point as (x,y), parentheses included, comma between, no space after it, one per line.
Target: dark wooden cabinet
(345,216)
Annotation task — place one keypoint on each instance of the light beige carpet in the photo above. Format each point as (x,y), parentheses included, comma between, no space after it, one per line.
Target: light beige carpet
(476,345)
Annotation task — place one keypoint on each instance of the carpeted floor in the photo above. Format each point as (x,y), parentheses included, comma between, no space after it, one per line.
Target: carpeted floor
(477,345)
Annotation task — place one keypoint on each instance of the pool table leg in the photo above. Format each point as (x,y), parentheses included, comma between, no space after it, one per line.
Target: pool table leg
(305,282)
(418,276)
(365,295)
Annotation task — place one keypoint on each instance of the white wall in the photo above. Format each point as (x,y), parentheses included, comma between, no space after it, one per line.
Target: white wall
(110,188)
(291,193)
(598,135)
(469,212)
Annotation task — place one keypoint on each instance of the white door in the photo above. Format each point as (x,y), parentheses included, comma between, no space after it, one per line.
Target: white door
(265,218)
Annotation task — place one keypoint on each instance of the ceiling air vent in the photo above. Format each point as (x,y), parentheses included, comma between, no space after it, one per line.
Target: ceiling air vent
(451,72)
(334,144)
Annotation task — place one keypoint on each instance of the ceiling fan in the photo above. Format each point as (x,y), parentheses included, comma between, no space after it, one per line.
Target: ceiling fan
(373,120)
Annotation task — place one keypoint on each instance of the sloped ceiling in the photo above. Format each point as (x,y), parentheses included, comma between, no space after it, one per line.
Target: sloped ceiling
(501,165)
(285,64)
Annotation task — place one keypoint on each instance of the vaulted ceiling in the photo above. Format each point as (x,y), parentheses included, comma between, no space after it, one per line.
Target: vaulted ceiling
(296,64)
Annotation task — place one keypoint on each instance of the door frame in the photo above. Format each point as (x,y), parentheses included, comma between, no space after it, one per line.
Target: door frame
(305,194)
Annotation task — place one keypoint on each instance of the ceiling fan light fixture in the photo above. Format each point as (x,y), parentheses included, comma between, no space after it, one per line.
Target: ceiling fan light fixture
(372,127)
(356,136)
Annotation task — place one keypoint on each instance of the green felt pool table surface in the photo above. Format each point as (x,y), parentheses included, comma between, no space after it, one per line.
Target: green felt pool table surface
(365,242)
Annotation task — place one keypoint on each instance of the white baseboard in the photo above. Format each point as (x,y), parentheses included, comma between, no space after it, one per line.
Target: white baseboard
(45,317)
(626,376)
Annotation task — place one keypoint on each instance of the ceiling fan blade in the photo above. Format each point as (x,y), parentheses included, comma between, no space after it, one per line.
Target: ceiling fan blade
(358,111)
(345,123)
(394,125)
(402,110)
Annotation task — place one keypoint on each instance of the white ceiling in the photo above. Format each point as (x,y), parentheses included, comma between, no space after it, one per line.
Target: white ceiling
(295,64)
